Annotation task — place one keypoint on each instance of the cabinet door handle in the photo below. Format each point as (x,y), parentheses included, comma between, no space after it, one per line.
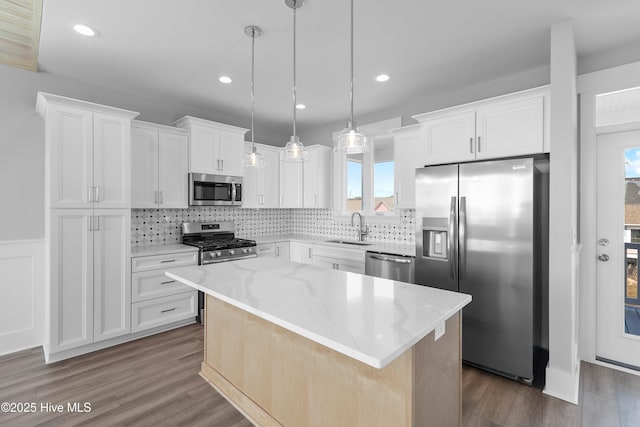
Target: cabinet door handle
(167,310)
(168,282)
(90,194)
(167,260)
(479,146)
(471,145)
(155,197)
(277,250)
(161,200)
(281,200)
(90,222)
(309,253)
(221,164)
(315,200)
(97,196)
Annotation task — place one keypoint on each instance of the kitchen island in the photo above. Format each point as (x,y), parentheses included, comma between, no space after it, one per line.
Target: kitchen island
(299,345)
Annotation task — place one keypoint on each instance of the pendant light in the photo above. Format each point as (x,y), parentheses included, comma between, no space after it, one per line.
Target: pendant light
(294,150)
(252,158)
(350,139)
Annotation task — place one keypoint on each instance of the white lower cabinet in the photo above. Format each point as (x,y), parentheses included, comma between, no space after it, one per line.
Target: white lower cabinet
(154,284)
(161,311)
(344,259)
(300,252)
(283,250)
(157,300)
(89,276)
(276,250)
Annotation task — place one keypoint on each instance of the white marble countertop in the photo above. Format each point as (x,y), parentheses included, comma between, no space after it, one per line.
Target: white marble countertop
(161,249)
(370,319)
(373,246)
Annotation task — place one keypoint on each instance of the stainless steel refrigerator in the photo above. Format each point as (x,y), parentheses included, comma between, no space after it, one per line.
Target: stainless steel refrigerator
(482,230)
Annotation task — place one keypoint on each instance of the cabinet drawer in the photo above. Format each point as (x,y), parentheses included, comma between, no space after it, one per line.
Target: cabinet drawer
(268,249)
(154,284)
(157,262)
(161,311)
(346,254)
(339,264)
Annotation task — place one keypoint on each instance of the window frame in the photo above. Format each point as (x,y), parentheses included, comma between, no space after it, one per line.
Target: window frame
(378,131)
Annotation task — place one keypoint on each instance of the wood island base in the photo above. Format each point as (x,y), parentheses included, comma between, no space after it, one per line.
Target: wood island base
(278,378)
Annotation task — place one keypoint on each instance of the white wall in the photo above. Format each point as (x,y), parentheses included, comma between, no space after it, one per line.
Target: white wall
(563,370)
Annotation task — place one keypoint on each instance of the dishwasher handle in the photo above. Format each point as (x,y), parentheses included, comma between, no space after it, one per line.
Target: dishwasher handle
(391,259)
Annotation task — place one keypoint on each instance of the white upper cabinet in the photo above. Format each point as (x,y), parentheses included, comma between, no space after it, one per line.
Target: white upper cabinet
(159,166)
(510,125)
(261,185)
(291,185)
(451,138)
(408,153)
(317,177)
(215,148)
(88,153)
(307,184)
(510,129)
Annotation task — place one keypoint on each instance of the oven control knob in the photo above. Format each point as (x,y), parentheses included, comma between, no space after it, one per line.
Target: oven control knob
(218,253)
(231,252)
(245,251)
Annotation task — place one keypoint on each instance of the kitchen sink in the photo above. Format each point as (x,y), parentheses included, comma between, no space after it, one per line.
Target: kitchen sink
(349,242)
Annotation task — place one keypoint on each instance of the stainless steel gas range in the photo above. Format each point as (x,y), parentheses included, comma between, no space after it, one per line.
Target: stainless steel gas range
(217,243)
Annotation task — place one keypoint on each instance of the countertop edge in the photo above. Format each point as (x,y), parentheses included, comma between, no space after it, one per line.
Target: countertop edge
(374,362)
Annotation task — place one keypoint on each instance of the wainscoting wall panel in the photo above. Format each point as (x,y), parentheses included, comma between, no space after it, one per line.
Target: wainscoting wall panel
(21,295)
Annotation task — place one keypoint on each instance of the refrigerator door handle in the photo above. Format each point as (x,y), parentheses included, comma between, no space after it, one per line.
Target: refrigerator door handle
(451,231)
(462,244)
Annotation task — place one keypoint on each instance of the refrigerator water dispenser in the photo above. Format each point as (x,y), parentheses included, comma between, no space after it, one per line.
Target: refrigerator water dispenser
(435,238)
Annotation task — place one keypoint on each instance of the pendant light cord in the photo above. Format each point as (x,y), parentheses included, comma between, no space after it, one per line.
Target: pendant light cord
(351,124)
(294,68)
(253,98)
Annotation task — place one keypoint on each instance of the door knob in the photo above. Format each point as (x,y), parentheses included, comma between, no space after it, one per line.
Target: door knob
(603,257)
(603,242)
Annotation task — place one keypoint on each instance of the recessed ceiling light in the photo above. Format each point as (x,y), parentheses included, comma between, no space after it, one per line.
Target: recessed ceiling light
(301,106)
(382,77)
(84,30)
(225,79)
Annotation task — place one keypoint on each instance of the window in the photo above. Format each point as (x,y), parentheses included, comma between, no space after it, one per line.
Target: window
(368,185)
(354,182)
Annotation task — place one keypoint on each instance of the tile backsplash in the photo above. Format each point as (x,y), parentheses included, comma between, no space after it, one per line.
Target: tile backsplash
(163,226)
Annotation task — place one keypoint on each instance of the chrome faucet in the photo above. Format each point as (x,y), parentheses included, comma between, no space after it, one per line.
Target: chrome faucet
(364,229)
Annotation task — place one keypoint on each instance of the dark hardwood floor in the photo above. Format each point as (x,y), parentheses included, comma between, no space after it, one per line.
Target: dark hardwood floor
(155,382)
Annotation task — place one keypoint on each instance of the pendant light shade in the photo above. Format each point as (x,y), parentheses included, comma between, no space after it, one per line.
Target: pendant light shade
(350,140)
(294,150)
(252,159)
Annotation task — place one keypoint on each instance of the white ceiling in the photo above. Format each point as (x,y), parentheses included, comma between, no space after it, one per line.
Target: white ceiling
(176,49)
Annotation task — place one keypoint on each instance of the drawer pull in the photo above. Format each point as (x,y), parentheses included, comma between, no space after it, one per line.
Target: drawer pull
(167,260)
(168,310)
(166,283)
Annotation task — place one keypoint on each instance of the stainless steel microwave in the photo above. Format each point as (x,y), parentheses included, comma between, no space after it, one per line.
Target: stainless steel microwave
(214,190)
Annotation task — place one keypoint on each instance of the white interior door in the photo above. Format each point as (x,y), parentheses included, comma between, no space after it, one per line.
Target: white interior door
(618,234)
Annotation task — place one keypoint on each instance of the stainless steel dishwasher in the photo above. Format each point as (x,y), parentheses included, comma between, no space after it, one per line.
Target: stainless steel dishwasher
(394,267)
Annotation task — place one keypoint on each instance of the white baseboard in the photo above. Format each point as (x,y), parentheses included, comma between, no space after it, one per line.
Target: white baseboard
(562,384)
(67,354)
(21,295)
